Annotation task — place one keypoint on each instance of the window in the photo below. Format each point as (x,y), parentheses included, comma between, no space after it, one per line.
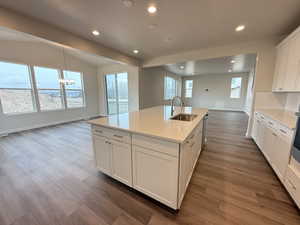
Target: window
(236,87)
(15,88)
(49,88)
(170,88)
(74,89)
(117,93)
(188,88)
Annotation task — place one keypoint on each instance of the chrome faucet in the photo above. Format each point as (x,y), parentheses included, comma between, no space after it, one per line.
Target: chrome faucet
(172,104)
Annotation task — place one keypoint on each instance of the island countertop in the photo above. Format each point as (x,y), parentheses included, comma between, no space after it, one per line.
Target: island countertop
(155,122)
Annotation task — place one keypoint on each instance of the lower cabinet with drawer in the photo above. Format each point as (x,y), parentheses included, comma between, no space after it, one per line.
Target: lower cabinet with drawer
(292,184)
(158,168)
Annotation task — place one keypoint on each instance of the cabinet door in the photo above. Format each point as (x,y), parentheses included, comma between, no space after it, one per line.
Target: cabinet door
(281,154)
(121,162)
(268,146)
(102,154)
(293,65)
(281,66)
(156,175)
(254,129)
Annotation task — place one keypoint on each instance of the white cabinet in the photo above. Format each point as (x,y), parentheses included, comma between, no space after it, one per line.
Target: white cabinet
(275,141)
(156,175)
(121,162)
(281,154)
(292,183)
(113,157)
(287,67)
(102,154)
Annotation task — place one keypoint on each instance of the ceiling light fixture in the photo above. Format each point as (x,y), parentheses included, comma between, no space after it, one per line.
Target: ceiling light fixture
(96,33)
(152,9)
(232,61)
(181,67)
(230,70)
(128,3)
(240,28)
(135,51)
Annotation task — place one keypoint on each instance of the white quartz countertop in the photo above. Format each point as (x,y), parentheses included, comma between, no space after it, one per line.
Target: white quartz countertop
(154,122)
(286,118)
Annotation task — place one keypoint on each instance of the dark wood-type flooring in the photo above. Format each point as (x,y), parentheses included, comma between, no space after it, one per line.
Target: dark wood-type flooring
(47,176)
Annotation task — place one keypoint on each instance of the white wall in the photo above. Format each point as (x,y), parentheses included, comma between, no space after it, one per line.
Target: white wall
(41,54)
(218,94)
(152,86)
(133,85)
(250,92)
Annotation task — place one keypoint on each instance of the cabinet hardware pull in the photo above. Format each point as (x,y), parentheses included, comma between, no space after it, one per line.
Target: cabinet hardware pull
(270,123)
(192,136)
(118,136)
(192,144)
(99,131)
(283,131)
(274,134)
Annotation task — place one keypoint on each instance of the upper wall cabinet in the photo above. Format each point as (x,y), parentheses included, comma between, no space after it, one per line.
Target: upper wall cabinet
(287,68)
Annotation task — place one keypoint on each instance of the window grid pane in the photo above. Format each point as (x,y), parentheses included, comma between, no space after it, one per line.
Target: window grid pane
(73,89)
(48,88)
(188,88)
(170,88)
(236,87)
(15,88)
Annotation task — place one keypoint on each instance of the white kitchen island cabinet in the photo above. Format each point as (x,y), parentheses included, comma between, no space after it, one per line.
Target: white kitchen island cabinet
(157,157)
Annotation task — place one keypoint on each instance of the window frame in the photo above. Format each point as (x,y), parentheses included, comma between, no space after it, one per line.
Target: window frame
(63,104)
(117,92)
(240,92)
(185,89)
(73,89)
(32,91)
(176,87)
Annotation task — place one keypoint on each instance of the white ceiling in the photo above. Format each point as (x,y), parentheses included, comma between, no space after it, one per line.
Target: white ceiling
(11,35)
(225,65)
(179,25)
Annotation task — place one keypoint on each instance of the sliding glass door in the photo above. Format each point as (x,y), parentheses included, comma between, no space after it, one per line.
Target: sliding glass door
(117,93)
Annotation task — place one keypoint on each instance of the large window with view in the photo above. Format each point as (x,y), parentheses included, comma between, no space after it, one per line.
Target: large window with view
(236,87)
(117,93)
(16,93)
(49,88)
(188,88)
(170,88)
(74,89)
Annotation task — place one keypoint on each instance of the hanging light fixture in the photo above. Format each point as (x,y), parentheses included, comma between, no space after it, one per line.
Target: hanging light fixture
(63,80)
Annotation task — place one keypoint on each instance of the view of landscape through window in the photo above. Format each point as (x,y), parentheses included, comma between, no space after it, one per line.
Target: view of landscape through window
(117,93)
(15,88)
(188,88)
(16,91)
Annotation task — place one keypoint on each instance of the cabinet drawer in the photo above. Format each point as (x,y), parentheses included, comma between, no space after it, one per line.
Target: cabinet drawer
(112,134)
(285,132)
(155,144)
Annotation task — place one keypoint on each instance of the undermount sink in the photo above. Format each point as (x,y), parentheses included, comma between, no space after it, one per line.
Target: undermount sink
(184,117)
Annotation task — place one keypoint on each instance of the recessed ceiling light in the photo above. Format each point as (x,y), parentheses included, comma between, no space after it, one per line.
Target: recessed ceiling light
(128,3)
(181,67)
(230,70)
(232,61)
(240,28)
(95,32)
(135,51)
(152,9)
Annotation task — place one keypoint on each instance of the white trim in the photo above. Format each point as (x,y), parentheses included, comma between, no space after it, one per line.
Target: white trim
(9,131)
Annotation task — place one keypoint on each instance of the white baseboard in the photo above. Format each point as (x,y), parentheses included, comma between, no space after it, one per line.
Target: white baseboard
(15,130)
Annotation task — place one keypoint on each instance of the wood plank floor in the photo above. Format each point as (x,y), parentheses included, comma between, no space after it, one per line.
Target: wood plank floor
(47,176)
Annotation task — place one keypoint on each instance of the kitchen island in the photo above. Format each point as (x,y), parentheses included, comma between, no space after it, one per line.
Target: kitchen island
(150,151)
